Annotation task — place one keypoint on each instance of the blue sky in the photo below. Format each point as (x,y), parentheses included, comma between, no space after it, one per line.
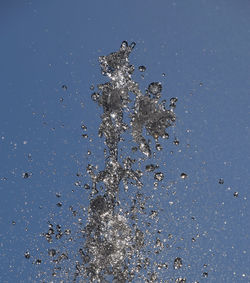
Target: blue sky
(202,47)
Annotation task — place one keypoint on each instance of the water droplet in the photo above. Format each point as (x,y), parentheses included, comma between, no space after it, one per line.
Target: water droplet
(173,101)
(124,44)
(180,280)
(155,88)
(221,181)
(95,96)
(205,274)
(38,261)
(92,87)
(86,186)
(236,194)
(151,167)
(158,147)
(159,176)
(26,175)
(165,136)
(52,252)
(27,255)
(142,68)
(177,263)
(83,127)
(184,175)
(132,45)
(176,141)
(64,87)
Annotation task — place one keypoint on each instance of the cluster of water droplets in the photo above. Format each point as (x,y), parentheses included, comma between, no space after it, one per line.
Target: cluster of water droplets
(114,243)
(111,244)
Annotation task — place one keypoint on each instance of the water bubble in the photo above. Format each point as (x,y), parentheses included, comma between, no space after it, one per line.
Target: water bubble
(142,68)
(236,194)
(64,87)
(155,88)
(177,263)
(92,87)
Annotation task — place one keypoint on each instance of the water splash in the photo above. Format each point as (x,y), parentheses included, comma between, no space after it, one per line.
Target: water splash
(114,243)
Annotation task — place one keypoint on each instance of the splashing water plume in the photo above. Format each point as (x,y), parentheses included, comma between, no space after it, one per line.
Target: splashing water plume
(114,243)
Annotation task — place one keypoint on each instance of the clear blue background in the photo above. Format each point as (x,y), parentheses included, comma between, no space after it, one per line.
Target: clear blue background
(203,47)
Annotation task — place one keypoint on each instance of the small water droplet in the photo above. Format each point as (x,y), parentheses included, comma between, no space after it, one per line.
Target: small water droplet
(86,186)
(158,147)
(83,127)
(177,263)
(151,167)
(27,255)
(176,141)
(180,280)
(95,96)
(236,194)
(38,261)
(159,176)
(205,274)
(155,88)
(58,195)
(64,87)
(132,45)
(142,68)
(124,44)
(26,175)
(221,181)
(184,175)
(52,252)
